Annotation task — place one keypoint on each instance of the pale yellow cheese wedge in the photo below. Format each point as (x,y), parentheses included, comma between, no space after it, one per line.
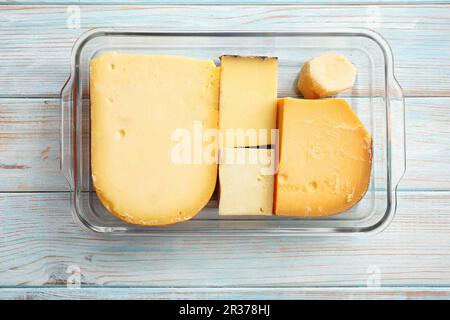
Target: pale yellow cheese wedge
(326,75)
(246,178)
(138,102)
(325,158)
(248,100)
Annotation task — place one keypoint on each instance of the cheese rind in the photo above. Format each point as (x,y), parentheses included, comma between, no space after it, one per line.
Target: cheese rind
(248,100)
(246,181)
(137,103)
(325,158)
(326,75)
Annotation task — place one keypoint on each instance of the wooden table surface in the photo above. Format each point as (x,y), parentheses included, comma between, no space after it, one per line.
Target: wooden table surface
(44,254)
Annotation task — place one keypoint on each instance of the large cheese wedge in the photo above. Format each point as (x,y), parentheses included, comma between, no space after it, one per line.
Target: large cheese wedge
(326,75)
(246,178)
(325,158)
(139,103)
(248,100)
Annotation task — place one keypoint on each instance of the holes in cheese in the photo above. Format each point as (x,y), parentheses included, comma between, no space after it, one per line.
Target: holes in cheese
(325,157)
(248,100)
(326,75)
(137,103)
(246,177)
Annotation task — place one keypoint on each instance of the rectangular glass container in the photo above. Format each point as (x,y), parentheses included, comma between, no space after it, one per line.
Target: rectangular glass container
(376,97)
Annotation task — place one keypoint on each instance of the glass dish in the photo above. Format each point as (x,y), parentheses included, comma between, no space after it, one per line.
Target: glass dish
(376,97)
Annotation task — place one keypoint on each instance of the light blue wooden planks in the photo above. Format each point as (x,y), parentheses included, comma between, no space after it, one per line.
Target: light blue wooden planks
(37,40)
(426,145)
(41,245)
(222,2)
(30,145)
(225,293)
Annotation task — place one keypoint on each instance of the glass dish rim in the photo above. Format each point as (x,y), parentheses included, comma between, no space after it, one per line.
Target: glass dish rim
(73,82)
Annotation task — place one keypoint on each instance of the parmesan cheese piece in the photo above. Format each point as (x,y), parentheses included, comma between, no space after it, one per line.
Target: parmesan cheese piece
(248,100)
(246,181)
(325,158)
(326,75)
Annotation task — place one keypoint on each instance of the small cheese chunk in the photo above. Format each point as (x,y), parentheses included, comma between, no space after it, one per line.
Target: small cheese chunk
(246,177)
(138,102)
(248,100)
(325,158)
(326,75)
